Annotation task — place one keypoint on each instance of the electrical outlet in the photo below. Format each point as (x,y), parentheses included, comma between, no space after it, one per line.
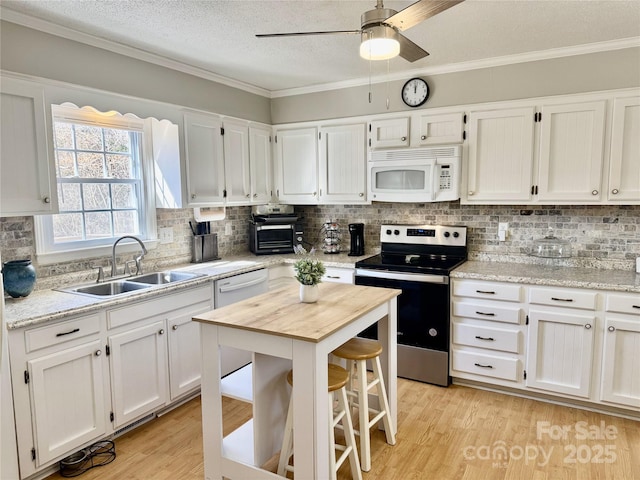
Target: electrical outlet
(227,229)
(503,231)
(165,235)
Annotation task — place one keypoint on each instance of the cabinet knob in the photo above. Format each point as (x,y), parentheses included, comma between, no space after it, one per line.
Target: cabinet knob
(471,192)
(193,196)
(46,199)
(98,353)
(612,328)
(361,194)
(615,191)
(161,332)
(423,137)
(315,193)
(248,195)
(588,326)
(404,139)
(175,327)
(255,195)
(594,192)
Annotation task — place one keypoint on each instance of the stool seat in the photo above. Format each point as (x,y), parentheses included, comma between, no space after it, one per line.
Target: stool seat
(359,349)
(338,377)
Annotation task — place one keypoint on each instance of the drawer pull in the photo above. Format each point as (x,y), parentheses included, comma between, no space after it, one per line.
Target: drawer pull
(333,276)
(491,339)
(75,330)
(487,292)
(635,306)
(483,366)
(612,328)
(562,299)
(487,314)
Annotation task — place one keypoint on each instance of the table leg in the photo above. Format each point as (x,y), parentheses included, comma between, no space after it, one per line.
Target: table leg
(211,403)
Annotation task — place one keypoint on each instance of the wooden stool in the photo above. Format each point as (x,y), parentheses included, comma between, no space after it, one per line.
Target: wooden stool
(357,351)
(338,378)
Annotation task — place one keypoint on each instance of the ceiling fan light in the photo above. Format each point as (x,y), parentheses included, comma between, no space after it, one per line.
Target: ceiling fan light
(379,43)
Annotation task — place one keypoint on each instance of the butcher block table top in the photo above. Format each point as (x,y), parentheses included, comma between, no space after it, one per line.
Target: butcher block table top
(280,312)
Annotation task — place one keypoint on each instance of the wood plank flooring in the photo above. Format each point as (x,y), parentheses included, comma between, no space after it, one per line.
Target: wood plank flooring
(443,434)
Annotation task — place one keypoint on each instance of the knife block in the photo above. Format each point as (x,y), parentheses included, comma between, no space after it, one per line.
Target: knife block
(205,248)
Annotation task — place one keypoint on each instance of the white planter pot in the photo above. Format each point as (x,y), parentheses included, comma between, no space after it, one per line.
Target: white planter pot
(309,293)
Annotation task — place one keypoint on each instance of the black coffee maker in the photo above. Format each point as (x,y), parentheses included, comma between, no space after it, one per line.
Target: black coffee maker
(356,230)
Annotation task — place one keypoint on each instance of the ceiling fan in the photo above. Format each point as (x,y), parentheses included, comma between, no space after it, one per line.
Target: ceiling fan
(381,27)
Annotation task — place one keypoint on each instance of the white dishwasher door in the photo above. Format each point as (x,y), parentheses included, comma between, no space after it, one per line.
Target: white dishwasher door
(234,289)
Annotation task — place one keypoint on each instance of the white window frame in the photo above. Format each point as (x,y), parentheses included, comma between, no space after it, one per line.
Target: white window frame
(47,251)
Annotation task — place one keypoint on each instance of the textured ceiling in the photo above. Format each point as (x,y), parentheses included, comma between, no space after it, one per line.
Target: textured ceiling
(218,36)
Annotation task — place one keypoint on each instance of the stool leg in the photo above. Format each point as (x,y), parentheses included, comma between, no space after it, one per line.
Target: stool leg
(349,436)
(332,441)
(287,441)
(363,412)
(382,398)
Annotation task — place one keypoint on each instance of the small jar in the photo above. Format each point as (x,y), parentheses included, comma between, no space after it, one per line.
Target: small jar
(19,277)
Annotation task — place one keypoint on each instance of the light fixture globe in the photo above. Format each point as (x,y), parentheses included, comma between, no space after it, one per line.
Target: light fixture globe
(379,42)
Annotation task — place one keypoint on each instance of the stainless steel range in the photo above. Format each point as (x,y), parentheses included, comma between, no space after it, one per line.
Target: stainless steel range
(418,259)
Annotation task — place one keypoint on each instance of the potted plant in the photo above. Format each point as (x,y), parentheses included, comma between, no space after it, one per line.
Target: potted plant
(309,271)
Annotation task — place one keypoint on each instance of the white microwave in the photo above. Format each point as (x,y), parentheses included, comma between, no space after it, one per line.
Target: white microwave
(430,174)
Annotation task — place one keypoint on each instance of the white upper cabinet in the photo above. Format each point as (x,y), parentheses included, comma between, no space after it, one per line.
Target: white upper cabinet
(297,165)
(571,152)
(27,178)
(500,155)
(260,164)
(204,159)
(624,162)
(437,129)
(342,164)
(236,162)
(389,133)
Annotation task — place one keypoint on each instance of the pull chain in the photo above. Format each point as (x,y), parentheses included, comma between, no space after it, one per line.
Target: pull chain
(388,62)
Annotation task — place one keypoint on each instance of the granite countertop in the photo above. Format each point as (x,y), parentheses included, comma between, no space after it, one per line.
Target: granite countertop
(50,305)
(573,277)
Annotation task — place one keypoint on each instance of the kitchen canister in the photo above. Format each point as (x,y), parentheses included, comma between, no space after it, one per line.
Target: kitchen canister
(18,277)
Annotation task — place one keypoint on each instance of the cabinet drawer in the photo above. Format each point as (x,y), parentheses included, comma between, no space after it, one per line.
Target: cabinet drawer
(158,306)
(624,304)
(486,337)
(487,312)
(563,298)
(493,291)
(338,275)
(42,337)
(487,365)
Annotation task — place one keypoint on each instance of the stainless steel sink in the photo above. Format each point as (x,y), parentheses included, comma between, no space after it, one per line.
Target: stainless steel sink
(108,289)
(161,278)
(132,284)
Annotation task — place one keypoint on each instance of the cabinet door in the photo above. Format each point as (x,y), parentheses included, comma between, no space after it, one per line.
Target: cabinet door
(204,159)
(260,164)
(439,129)
(621,361)
(138,361)
(297,157)
(185,357)
(236,163)
(26,181)
(500,165)
(343,164)
(624,166)
(560,352)
(571,152)
(391,133)
(67,398)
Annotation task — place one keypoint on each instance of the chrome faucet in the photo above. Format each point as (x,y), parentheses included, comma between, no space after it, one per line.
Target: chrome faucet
(138,259)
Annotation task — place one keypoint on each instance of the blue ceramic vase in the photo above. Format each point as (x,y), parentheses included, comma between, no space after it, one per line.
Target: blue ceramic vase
(19,277)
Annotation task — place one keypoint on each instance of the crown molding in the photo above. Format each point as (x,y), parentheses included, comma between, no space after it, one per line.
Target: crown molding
(115,47)
(632,42)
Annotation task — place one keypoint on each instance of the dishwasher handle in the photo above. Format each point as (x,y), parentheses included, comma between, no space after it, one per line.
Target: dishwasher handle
(238,286)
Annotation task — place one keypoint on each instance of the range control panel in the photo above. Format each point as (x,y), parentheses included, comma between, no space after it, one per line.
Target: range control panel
(424,234)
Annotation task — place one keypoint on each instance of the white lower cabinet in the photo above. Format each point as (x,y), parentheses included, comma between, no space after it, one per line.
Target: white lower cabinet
(621,355)
(185,362)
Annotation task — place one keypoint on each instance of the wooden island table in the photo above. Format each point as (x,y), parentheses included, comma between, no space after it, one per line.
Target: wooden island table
(284,333)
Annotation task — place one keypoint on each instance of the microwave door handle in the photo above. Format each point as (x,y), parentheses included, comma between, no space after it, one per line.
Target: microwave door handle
(433,180)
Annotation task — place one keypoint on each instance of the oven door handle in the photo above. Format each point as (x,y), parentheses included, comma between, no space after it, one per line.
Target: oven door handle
(408,277)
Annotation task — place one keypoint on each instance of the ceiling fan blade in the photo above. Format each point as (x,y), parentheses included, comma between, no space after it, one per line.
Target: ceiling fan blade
(299,34)
(418,12)
(409,50)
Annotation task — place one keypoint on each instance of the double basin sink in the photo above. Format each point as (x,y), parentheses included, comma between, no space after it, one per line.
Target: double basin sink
(132,284)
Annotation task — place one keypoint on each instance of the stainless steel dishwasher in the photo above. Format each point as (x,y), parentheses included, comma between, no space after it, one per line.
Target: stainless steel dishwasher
(230,290)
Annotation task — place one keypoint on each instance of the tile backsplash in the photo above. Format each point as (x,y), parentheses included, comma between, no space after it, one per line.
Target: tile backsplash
(605,237)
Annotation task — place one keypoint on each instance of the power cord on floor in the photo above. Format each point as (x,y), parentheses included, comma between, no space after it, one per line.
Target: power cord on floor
(96,455)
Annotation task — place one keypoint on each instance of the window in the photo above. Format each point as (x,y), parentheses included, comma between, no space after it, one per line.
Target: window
(101,183)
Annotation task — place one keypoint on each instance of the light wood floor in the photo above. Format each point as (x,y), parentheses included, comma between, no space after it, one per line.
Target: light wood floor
(443,434)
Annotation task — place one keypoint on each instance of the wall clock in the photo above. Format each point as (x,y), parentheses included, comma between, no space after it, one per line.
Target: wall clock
(415,92)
